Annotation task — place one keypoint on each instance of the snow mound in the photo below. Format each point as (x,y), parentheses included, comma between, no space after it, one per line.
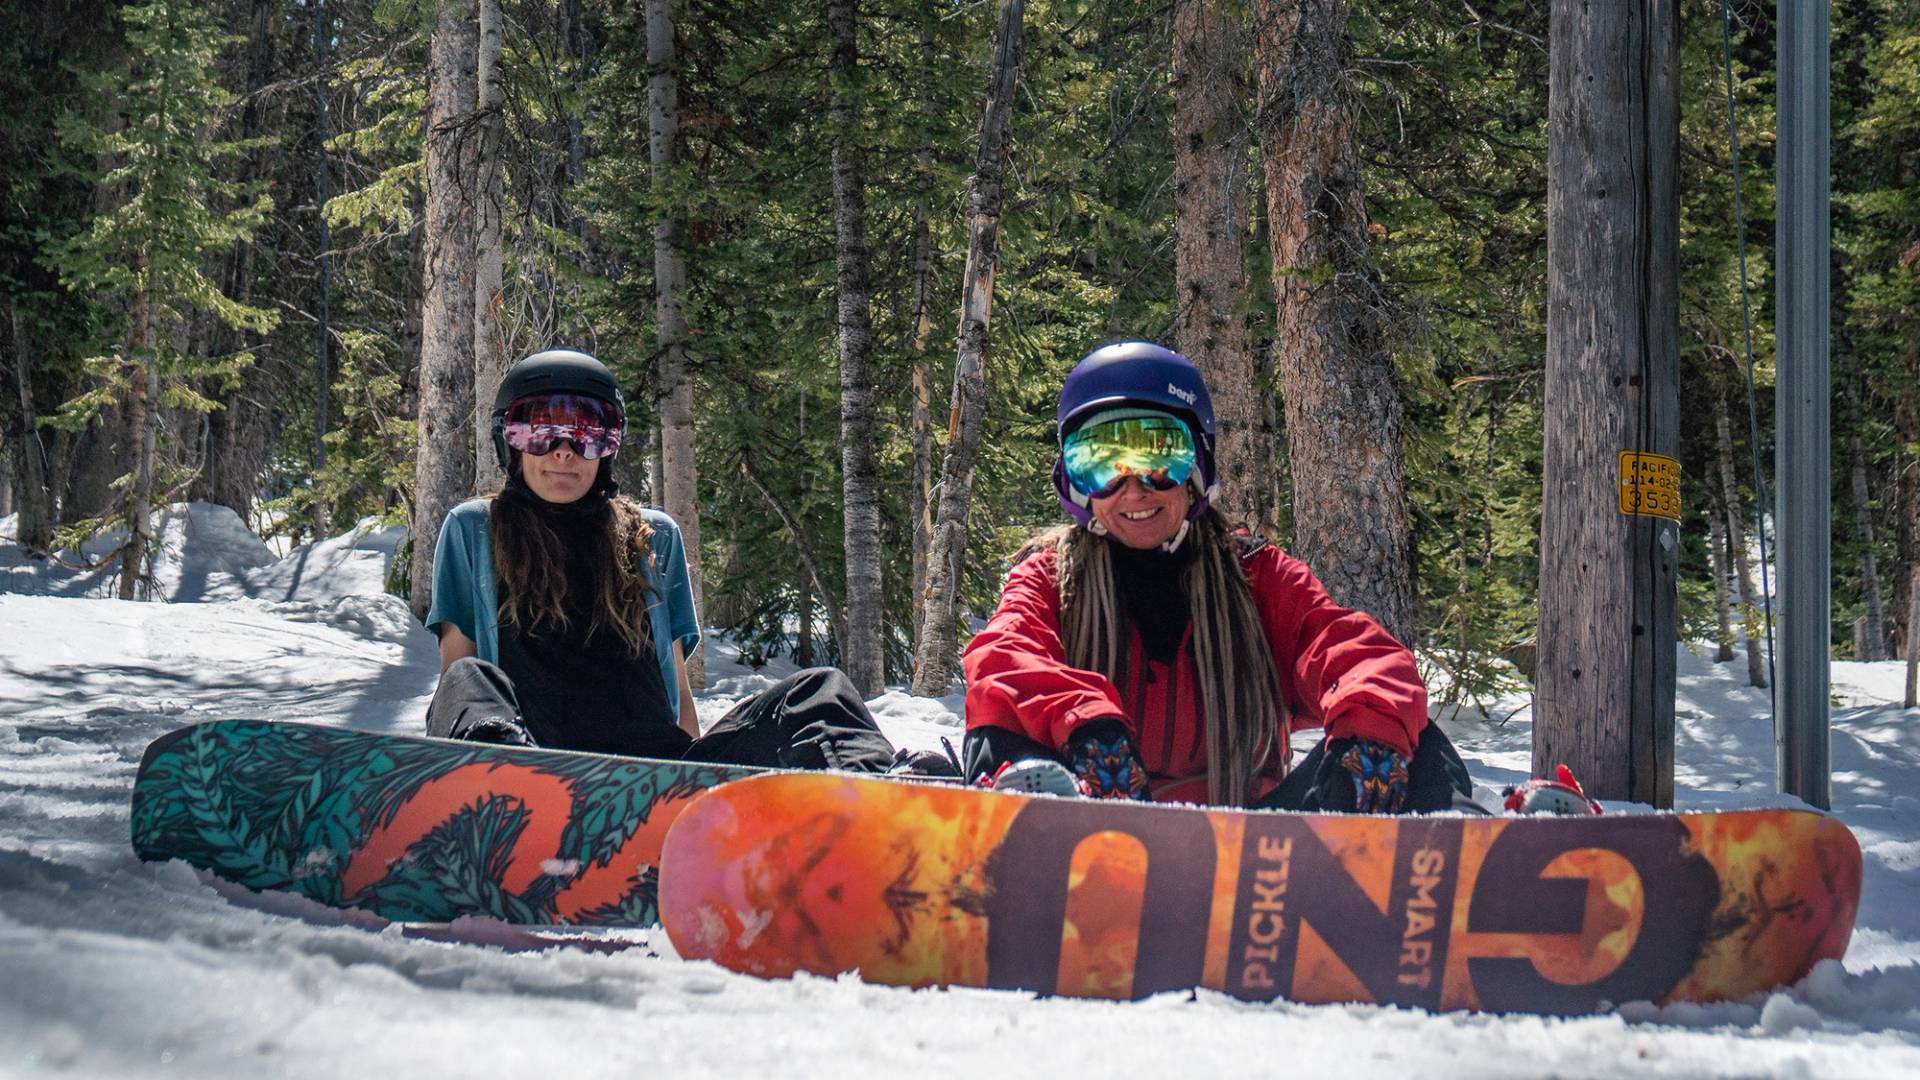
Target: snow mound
(205,549)
(352,564)
(378,617)
(205,552)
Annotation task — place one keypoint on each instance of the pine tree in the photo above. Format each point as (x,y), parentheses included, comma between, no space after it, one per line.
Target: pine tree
(150,249)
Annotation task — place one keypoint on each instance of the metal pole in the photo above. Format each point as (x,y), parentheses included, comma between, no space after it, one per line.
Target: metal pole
(1802,233)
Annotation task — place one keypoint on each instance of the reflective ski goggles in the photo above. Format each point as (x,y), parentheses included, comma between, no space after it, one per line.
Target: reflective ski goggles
(538,423)
(1101,456)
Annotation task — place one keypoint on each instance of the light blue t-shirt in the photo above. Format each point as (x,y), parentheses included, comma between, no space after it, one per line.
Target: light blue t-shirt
(466,590)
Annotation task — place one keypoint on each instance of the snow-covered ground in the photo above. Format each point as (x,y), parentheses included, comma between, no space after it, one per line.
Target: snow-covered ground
(111,967)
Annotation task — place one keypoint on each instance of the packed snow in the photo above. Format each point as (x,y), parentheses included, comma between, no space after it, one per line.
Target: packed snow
(114,967)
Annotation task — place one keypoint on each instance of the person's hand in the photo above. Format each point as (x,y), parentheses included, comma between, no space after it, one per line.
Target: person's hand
(1101,756)
(1360,776)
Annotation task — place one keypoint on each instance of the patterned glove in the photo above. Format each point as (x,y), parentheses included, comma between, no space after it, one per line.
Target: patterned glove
(1101,757)
(1361,776)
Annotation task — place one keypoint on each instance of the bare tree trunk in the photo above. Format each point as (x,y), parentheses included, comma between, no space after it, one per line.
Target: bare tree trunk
(143,392)
(920,490)
(33,480)
(803,639)
(489,347)
(323,302)
(1717,556)
(1752,622)
(679,469)
(864,655)
(1913,642)
(1609,532)
(1210,238)
(1875,631)
(934,651)
(235,451)
(1906,419)
(1352,521)
(443,468)
(1906,486)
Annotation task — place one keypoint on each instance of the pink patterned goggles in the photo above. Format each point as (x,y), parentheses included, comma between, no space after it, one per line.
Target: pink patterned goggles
(536,424)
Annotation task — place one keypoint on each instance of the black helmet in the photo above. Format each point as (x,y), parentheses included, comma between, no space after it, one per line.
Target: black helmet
(555,371)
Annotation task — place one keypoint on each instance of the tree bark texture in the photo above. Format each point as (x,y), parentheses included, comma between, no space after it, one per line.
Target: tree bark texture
(1210,224)
(865,655)
(803,635)
(1906,426)
(1717,558)
(1912,654)
(323,261)
(141,396)
(934,652)
(489,346)
(443,468)
(1752,620)
(235,452)
(1605,681)
(679,486)
(1906,487)
(1352,522)
(920,422)
(1875,634)
(32,478)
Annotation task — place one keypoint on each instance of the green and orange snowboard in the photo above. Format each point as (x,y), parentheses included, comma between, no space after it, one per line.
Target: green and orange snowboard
(415,829)
(921,886)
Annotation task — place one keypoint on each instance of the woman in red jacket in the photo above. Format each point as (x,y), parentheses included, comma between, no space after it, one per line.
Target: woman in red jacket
(1149,651)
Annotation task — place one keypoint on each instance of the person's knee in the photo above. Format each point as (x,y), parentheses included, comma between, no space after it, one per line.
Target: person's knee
(823,680)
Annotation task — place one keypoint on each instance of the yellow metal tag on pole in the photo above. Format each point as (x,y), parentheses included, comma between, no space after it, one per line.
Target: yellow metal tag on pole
(1650,485)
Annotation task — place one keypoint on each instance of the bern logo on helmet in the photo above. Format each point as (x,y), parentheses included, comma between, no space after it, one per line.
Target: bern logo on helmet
(1184,395)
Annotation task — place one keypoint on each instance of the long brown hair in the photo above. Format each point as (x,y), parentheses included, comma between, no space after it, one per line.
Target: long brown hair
(1238,683)
(528,554)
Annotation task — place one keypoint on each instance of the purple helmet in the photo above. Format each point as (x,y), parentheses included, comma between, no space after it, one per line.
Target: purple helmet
(1137,373)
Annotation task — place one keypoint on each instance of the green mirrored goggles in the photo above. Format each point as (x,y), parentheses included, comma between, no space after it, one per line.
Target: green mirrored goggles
(1099,457)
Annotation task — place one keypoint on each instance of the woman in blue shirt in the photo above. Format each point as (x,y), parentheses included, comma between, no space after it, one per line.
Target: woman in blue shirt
(565,612)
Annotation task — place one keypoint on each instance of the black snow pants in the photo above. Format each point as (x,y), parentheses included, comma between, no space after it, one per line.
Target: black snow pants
(812,719)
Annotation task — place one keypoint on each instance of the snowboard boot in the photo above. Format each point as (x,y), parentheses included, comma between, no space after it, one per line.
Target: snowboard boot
(1036,776)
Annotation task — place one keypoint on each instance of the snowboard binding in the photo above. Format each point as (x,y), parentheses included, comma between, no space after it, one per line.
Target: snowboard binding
(1561,795)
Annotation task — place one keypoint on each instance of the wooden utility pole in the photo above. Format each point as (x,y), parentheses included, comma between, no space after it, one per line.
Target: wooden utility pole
(1609,529)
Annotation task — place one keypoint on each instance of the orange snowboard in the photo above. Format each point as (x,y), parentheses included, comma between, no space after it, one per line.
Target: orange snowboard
(918,886)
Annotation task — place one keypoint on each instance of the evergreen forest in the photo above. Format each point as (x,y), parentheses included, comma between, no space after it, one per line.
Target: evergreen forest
(274,255)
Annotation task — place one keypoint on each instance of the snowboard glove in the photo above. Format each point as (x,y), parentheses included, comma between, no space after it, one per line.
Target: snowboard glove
(1101,757)
(499,729)
(1360,776)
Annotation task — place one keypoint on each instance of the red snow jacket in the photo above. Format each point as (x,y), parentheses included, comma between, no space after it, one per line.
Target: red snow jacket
(1338,669)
